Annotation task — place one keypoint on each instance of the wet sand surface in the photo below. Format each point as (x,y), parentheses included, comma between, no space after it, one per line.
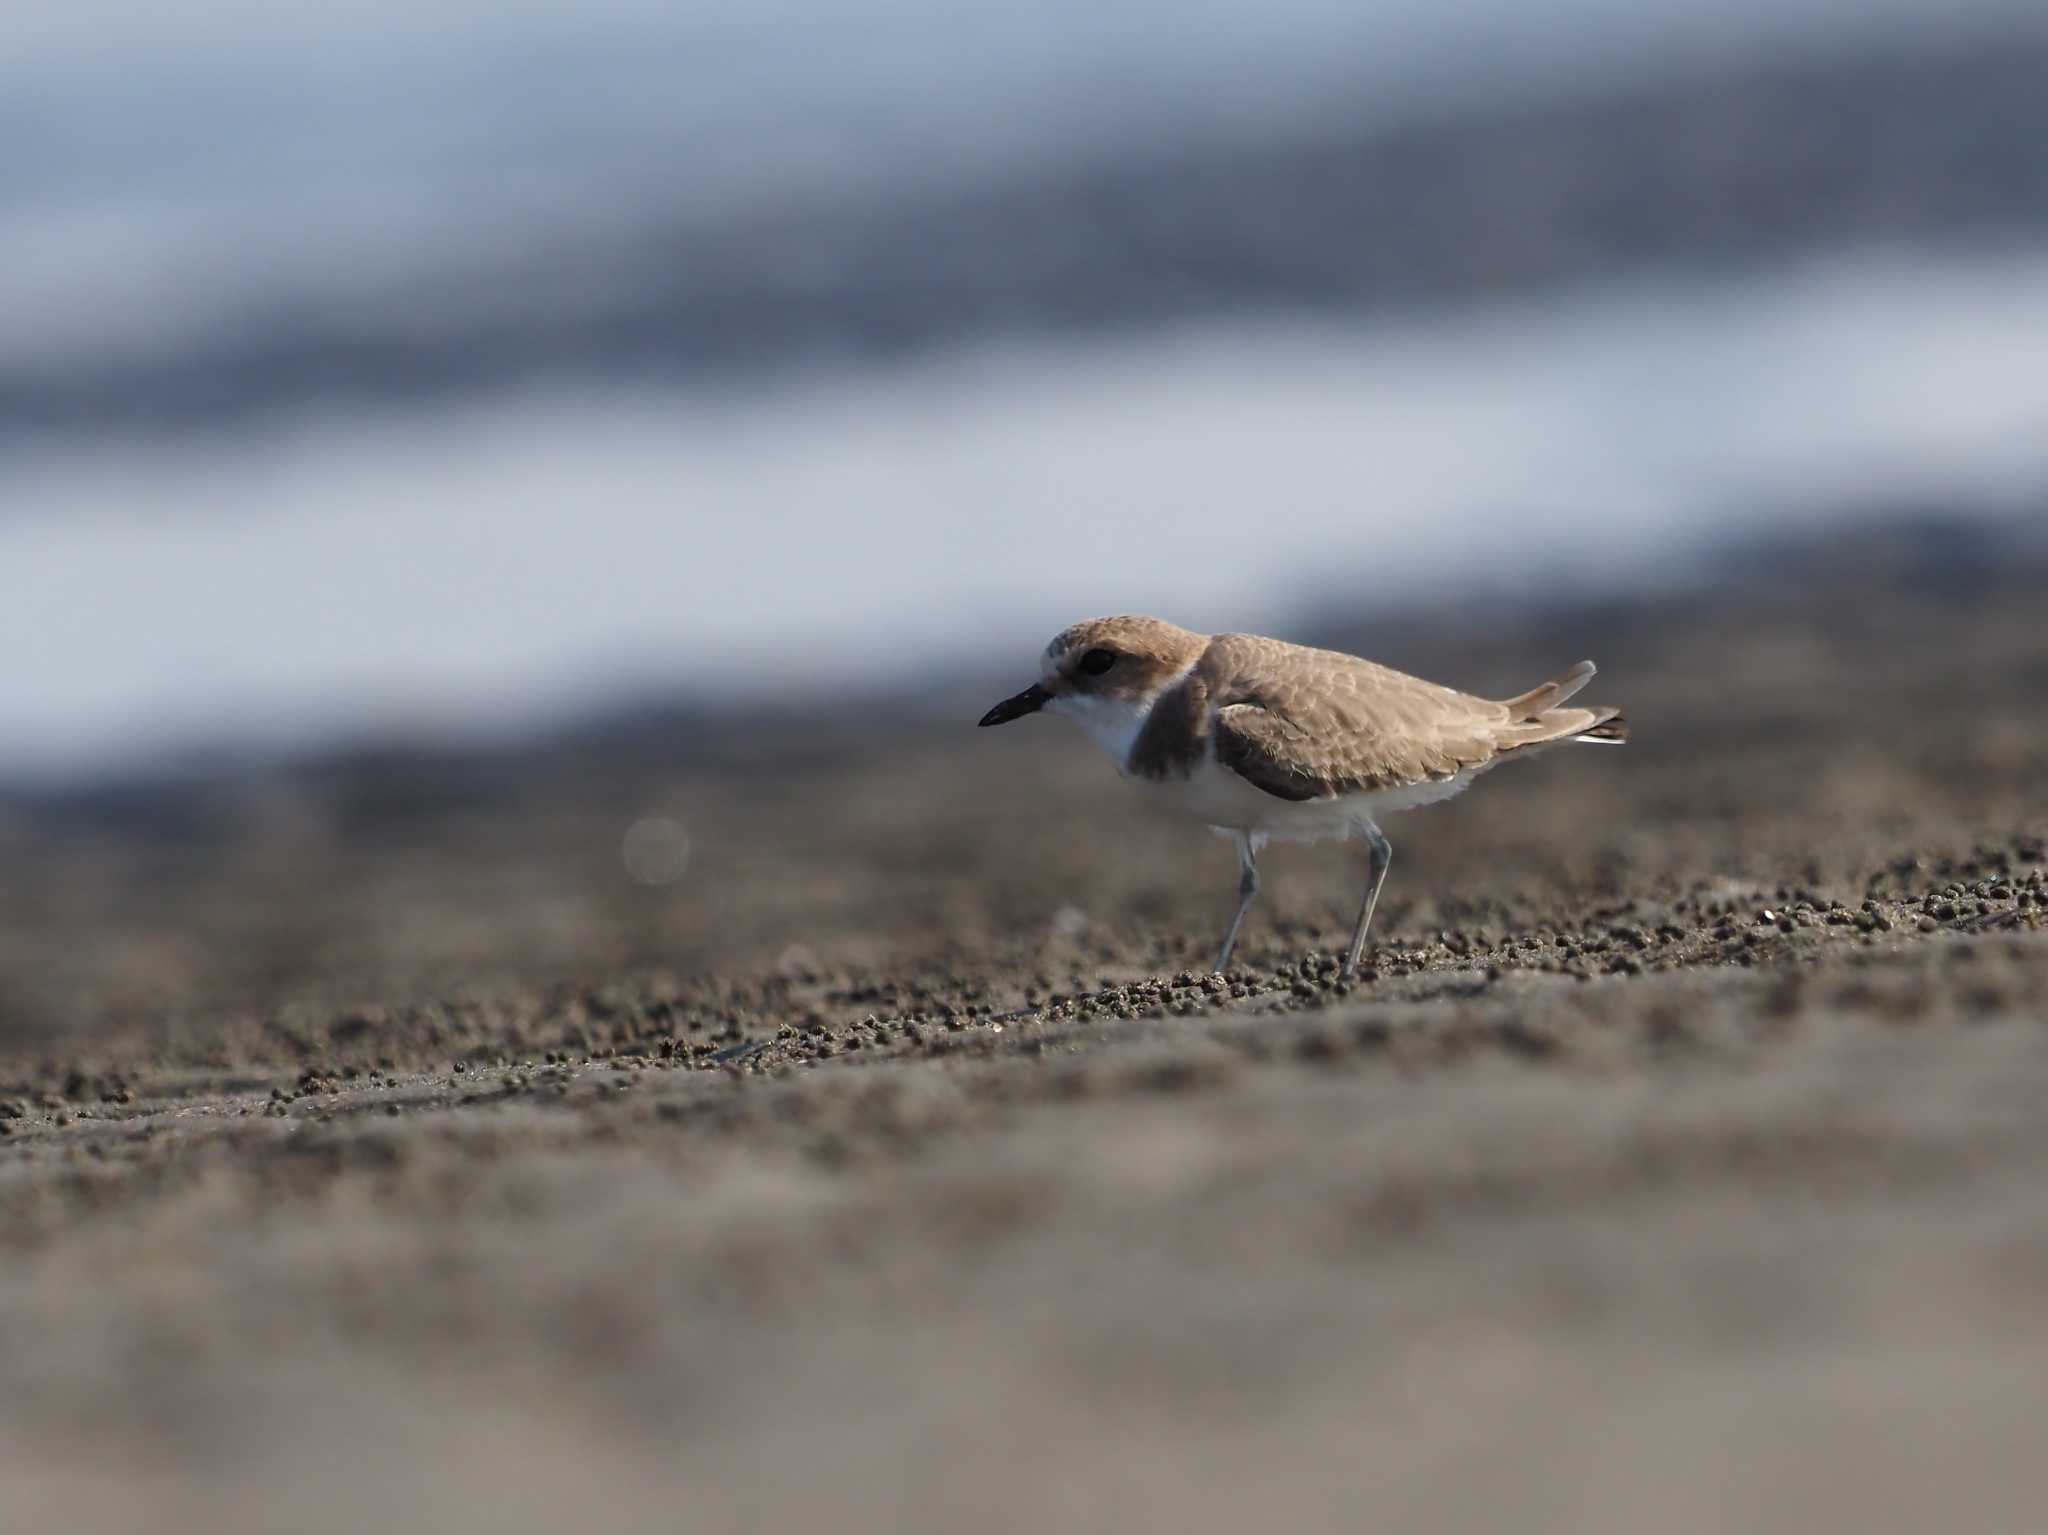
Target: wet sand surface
(376,1152)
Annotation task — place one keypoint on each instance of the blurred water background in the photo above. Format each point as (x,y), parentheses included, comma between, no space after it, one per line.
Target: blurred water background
(452,370)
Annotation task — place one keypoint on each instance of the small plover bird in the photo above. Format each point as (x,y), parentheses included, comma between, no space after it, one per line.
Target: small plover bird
(1262,739)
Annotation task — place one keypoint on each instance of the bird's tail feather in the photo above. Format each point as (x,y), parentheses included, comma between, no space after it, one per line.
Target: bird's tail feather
(1549,695)
(1535,718)
(1610,730)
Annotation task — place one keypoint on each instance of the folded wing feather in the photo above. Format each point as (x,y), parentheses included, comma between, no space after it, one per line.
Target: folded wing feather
(1306,724)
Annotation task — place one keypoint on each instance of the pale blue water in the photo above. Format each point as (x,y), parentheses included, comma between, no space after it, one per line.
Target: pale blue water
(501,563)
(321,255)
(178,170)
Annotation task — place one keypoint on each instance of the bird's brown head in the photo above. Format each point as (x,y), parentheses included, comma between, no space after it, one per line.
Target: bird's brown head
(1107,662)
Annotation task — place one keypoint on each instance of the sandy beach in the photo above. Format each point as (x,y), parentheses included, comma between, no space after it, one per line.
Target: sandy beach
(374,1149)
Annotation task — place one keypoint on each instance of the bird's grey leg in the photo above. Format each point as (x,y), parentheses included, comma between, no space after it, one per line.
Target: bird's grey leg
(1247,887)
(1382,854)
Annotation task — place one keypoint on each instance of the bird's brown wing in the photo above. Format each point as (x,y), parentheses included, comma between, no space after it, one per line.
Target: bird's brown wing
(1307,724)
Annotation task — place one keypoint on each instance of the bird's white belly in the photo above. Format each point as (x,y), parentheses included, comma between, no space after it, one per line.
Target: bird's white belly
(1216,796)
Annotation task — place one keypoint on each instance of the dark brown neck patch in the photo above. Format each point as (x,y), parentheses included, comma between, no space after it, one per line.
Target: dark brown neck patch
(1173,738)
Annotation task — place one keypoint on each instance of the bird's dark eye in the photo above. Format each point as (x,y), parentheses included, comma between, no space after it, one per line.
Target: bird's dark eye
(1096,662)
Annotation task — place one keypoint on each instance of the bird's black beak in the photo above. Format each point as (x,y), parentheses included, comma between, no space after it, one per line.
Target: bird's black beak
(1030,701)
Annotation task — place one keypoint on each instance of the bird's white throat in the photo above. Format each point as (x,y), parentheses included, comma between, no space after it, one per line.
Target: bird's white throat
(1112,723)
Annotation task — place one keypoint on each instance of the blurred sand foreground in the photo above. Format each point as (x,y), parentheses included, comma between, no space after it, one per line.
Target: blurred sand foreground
(378,1155)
